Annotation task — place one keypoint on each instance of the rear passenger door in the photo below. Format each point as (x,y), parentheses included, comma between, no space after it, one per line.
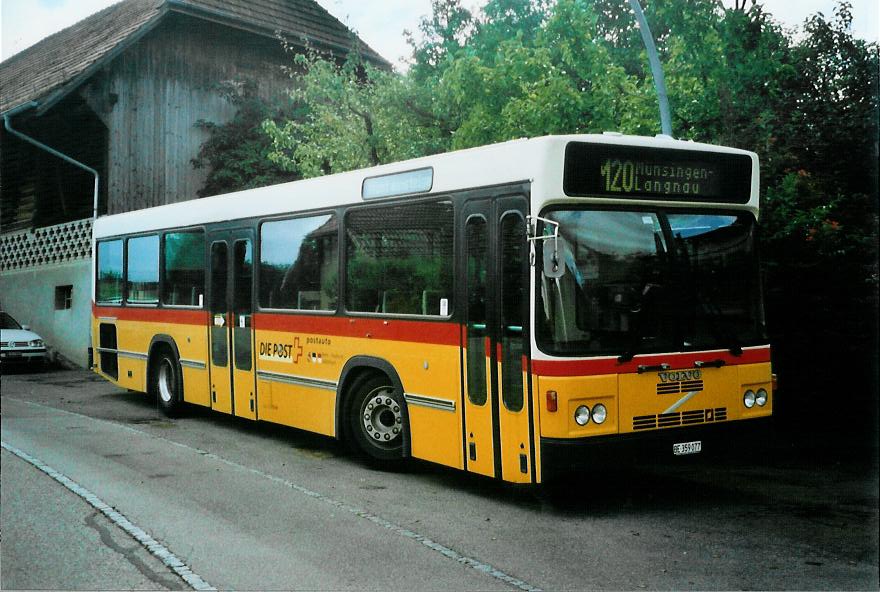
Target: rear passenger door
(233,380)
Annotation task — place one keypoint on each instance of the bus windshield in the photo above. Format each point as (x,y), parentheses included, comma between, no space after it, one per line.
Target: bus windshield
(648,281)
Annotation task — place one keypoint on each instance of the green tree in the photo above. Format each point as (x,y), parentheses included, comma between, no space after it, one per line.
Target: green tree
(808,105)
(237,153)
(353,115)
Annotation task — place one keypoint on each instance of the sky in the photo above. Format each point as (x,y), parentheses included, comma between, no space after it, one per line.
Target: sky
(379,23)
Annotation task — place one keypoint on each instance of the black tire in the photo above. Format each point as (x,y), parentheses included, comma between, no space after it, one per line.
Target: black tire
(377,421)
(166,383)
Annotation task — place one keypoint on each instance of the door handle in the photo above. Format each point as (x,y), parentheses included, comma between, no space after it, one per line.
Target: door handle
(713,364)
(654,368)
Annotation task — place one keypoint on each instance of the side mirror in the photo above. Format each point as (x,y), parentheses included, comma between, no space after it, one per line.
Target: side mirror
(26,327)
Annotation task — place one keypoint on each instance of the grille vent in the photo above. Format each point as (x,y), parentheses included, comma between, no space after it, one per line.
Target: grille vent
(685,386)
(669,420)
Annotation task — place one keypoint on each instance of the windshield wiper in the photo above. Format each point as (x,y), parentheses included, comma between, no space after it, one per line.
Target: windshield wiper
(706,303)
(714,316)
(647,302)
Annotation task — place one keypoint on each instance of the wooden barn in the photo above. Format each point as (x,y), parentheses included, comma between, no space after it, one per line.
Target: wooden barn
(101,118)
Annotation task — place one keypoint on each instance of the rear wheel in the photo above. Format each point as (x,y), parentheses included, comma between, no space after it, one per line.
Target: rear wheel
(167,385)
(377,421)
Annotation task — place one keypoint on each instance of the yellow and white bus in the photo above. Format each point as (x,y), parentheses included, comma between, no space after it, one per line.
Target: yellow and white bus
(506,310)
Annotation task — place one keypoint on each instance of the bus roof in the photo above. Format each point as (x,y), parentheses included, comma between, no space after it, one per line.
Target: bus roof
(536,160)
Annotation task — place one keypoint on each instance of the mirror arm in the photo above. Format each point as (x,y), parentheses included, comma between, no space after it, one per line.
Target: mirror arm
(533,236)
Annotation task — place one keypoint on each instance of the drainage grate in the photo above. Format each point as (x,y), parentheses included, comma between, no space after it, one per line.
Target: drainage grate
(669,420)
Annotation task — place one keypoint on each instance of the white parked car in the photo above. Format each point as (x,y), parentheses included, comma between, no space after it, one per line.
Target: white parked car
(19,345)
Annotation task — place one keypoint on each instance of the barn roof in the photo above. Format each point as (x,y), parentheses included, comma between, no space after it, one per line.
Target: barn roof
(48,70)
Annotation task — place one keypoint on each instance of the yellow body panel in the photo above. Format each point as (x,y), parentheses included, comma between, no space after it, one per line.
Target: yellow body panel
(571,393)
(628,396)
(307,408)
(133,343)
(514,426)
(479,429)
(298,389)
(756,376)
(245,391)
(424,369)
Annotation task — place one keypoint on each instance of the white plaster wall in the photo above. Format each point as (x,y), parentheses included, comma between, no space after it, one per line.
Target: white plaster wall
(29,296)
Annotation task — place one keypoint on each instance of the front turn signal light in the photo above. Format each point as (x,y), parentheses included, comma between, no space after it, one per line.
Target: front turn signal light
(552,401)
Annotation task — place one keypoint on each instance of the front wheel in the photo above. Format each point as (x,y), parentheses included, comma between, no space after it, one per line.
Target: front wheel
(167,385)
(377,421)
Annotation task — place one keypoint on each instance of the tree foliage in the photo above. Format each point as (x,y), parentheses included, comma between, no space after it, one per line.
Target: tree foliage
(807,104)
(236,154)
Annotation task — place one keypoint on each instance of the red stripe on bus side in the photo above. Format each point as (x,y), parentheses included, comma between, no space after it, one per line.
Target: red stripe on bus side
(152,315)
(676,361)
(439,333)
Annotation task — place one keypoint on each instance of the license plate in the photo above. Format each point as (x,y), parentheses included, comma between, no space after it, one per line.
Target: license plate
(687,448)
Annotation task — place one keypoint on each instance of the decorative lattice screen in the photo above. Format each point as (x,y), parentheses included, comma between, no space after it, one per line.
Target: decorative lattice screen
(61,243)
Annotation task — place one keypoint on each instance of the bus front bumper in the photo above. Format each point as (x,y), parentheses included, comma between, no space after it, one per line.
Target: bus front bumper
(566,455)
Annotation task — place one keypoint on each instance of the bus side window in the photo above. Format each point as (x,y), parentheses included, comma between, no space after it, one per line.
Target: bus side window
(299,261)
(477,259)
(399,259)
(109,288)
(219,351)
(513,300)
(142,270)
(183,277)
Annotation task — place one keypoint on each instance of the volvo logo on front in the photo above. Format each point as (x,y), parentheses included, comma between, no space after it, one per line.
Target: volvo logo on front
(680,375)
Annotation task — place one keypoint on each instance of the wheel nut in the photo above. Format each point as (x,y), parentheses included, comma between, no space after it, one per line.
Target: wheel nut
(370,406)
(369,428)
(399,420)
(376,436)
(388,401)
(395,430)
(396,409)
(387,437)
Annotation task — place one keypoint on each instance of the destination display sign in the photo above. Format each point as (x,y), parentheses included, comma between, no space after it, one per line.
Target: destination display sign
(648,173)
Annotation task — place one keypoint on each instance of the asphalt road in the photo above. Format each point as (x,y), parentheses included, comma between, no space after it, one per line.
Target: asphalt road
(251,506)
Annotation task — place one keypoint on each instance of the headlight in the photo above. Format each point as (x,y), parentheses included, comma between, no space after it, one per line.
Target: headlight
(36,343)
(599,413)
(582,415)
(749,399)
(761,397)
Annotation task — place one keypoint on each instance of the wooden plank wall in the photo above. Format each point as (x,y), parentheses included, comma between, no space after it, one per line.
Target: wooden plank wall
(152,95)
(37,188)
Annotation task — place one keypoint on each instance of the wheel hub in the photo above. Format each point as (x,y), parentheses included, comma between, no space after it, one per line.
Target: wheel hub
(166,376)
(381,417)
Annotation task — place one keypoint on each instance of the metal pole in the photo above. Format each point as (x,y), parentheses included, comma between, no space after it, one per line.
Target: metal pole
(7,119)
(656,68)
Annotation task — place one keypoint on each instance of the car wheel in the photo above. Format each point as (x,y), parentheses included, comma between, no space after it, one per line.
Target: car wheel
(377,420)
(167,385)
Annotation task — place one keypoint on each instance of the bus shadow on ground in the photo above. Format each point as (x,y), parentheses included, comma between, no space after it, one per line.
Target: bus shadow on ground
(606,491)
(317,445)
(700,483)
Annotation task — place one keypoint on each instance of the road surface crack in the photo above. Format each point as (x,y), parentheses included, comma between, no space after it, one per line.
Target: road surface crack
(129,553)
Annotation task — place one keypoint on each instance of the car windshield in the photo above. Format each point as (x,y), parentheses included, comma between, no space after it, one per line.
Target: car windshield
(7,322)
(650,281)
